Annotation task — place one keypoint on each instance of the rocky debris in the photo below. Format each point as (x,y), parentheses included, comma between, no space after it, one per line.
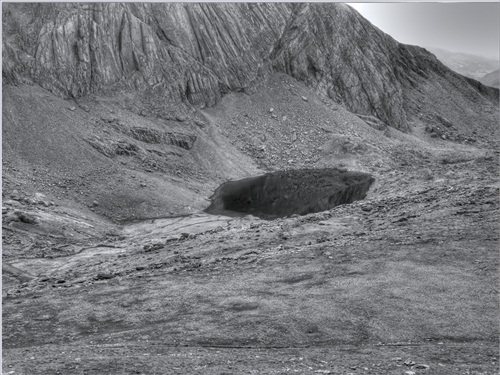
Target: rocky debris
(153,247)
(11,202)
(200,124)
(373,122)
(18,200)
(26,218)
(367,207)
(409,363)
(421,366)
(104,276)
(112,148)
(413,365)
(153,136)
(447,123)
(148,135)
(23,276)
(439,126)
(182,237)
(437,131)
(20,216)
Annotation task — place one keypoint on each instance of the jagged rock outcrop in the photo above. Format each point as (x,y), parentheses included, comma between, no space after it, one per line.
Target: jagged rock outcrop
(185,141)
(197,52)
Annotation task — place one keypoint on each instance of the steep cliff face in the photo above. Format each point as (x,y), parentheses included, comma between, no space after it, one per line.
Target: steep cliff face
(333,49)
(191,52)
(197,52)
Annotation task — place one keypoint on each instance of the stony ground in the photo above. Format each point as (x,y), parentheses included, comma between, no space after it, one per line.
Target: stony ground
(403,282)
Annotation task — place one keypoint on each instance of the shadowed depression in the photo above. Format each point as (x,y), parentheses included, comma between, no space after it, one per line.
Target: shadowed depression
(285,193)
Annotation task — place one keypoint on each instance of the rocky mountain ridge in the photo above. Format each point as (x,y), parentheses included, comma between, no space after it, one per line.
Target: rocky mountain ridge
(198,52)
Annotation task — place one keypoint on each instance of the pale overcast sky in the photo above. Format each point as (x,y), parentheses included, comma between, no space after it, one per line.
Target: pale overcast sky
(471,27)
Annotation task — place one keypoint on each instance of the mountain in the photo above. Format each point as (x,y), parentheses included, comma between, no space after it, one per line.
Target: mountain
(237,188)
(491,79)
(75,49)
(142,76)
(469,65)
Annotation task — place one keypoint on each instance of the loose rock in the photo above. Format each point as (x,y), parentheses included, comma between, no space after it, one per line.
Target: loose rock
(421,366)
(104,276)
(25,217)
(153,246)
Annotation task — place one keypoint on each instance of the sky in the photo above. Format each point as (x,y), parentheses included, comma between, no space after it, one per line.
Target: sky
(470,27)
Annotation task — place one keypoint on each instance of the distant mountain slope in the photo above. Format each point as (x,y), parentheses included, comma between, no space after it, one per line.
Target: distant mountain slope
(195,53)
(469,65)
(491,79)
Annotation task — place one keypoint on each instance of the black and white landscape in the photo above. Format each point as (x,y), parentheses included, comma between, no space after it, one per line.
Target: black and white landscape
(485,70)
(242,188)
(491,79)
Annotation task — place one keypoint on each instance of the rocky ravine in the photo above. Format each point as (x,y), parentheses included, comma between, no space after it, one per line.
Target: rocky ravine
(121,120)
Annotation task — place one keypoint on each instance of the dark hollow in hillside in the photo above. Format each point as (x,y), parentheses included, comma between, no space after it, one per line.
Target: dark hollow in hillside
(284,193)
